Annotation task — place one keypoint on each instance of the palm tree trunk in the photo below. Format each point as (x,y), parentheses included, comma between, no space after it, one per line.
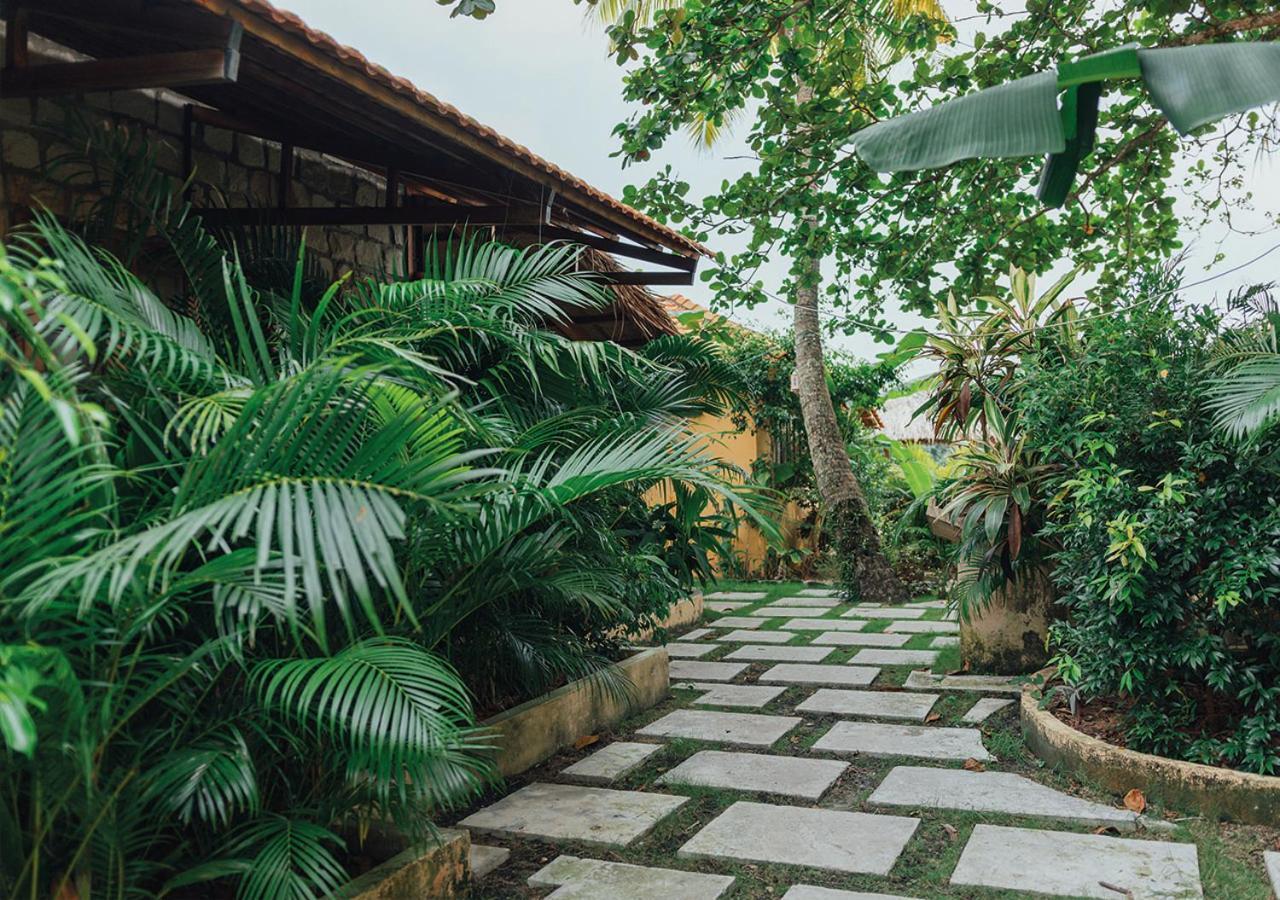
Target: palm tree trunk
(864,571)
(863,567)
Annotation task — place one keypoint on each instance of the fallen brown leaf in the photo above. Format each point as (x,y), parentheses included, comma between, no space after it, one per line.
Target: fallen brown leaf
(972,765)
(950,830)
(585,741)
(1116,888)
(932,717)
(1134,801)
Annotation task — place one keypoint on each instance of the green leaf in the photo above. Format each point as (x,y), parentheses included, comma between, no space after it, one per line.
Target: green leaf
(1197,85)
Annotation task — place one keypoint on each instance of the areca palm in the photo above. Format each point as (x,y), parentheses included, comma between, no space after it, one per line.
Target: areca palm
(260,560)
(1245,394)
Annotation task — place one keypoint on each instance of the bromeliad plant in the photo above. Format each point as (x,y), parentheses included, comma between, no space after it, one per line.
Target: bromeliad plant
(261,550)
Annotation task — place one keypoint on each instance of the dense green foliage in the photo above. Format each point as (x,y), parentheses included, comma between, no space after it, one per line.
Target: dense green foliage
(263,550)
(887,238)
(1169,536)
(1092,448)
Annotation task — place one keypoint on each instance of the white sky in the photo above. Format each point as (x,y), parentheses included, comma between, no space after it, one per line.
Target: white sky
(537,73)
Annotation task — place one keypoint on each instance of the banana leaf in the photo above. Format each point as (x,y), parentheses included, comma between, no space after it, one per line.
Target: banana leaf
(1194,86)
(1019,118)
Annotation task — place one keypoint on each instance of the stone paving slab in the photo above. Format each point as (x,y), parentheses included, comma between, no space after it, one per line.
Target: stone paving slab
(593,879)
(737,595)
(484,859)
(825,624)
(696,670)
(1064,863)
(781,654)
(880,657)
(744,729)
(992,792)
(1272,861)
(819,838)
(874,704)
(928,604)
(812,892)
(747,636)
(612,762)
(819,592)
(823,602)
(869,605)
(983,684)
(723,605)
(809,673)
(876,739)
(984,708)
(694,635)
(736,622)
(572,813)
(796,612)
(688,651)
(888,612)
(918,627)
(746,695)
(945,640)
(792,776)
(861,639)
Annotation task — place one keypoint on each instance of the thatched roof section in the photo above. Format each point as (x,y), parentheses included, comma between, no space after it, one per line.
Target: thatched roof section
(636,316)
(901,423)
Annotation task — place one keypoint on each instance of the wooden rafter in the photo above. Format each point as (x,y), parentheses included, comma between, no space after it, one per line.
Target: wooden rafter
(182,68)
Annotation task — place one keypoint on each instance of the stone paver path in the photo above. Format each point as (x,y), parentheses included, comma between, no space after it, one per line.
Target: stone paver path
(984,709)
(696,670)
(825,625)
(744,729)
(607,765)
(794,612)
(791,776)
(738,622)
(861,639)
(802,700)
(1272,861)
(1075,865)
(877,739)
(871,704)
(748,596)
(590,814)
(824,602)
(791,835)
(781,654)
(984,684)
(811,892)
(688,650)
(808,673)
(724,605)
(994,792)
(750,695)
(484,859)
(591,879)
(748,636)
(879,657)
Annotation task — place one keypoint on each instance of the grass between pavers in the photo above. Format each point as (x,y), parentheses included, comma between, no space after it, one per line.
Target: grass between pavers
(1230,856)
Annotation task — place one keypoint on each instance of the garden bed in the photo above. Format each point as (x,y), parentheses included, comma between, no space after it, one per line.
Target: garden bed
(534,731)
(438,869)
(1209,790)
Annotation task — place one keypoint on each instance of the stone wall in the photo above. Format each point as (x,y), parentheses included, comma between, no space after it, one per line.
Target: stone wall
(230,169)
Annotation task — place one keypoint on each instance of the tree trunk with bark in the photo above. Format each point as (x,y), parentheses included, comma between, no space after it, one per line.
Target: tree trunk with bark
(863,567)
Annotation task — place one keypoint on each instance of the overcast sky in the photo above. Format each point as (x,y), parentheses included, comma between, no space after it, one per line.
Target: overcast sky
(539,75)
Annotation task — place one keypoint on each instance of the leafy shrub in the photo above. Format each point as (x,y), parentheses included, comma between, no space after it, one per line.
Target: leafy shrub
(1167,532)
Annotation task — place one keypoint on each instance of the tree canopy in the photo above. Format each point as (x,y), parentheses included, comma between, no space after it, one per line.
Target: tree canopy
(899,236)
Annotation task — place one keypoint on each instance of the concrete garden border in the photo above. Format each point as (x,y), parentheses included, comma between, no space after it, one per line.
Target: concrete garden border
(534,731)
(1215,792)
(436,870)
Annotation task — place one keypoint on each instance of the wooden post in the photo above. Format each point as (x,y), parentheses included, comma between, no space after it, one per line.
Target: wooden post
(286,173)
(16,50)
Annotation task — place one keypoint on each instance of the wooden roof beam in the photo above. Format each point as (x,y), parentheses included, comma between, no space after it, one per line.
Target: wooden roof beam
(183,68)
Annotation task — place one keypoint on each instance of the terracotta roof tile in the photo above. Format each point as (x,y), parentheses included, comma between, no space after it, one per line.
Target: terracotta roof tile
(356,60)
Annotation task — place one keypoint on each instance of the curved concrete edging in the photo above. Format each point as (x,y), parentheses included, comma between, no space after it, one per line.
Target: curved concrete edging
(1210,790)
(536,730)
